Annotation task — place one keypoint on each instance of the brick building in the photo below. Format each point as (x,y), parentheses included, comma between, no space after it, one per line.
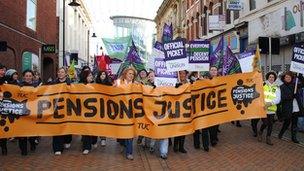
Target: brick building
(170,11)
(26,25)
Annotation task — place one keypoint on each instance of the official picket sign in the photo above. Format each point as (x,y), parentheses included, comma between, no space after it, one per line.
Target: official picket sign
(246,60)
(162,76)
(130,110)
(198,54)
(175,55)
(297,61)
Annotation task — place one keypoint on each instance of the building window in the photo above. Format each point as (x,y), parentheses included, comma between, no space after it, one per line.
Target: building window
(31,14)
(221,7)
(30,61)
(205,21)
(252,4)
(228,16)
(197,25)
(236,15)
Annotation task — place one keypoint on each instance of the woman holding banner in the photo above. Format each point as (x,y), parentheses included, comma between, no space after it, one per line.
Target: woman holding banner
(3,141)
(87,140)
(61,141)
(213,130)
(179,142)
(104,79)
(127,77)
(272,95)
(291,105)
(28,80)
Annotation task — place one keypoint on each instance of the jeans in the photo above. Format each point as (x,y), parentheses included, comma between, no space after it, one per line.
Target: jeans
(163,146)
(129,146)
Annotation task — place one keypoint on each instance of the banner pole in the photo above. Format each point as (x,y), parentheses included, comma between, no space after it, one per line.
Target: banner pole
(296,86)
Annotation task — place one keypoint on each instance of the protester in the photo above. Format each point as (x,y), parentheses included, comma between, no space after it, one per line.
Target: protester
(291,106)
(272,95)
(179,142)
(213,130)
(87,140)
(104,79)
(142,76)
(28,80)
(12,77)
(61,141)
(3,141)
(127,77)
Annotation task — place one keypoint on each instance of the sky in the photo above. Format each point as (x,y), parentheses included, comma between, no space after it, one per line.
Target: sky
(101,10)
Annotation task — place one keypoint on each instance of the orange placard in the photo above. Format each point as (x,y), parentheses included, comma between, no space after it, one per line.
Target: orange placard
(131,110)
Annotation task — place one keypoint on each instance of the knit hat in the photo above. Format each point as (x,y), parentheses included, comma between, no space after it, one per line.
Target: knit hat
(9,73)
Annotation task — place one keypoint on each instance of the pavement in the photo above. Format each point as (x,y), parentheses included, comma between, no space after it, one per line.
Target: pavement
(237,150)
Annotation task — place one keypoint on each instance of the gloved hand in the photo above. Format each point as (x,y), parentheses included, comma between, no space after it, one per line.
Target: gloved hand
(268,104)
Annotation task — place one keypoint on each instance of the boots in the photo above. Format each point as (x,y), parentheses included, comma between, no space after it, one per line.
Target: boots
(4,151)
(260,136)
(181,145)
(294,137)
(268,140)
(175,144)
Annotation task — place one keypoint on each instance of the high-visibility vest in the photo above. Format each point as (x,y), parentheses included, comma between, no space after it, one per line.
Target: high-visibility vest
(270,94)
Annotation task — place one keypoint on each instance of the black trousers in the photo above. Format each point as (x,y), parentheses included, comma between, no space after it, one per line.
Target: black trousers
(87,142)
(267,122)
(213,134)
(3,143)
(254,125)
(294,121)
(205,138)
(23,144)
(179,142)
(59,141)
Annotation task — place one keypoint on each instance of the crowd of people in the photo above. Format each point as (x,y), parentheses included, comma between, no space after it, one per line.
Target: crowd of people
(282,101)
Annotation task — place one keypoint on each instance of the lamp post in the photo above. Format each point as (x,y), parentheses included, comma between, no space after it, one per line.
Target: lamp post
(72,4)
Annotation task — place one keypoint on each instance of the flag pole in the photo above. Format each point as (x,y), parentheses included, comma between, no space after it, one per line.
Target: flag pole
(296,86)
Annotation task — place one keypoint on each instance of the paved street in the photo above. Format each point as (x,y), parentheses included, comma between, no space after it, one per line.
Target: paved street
(237,150)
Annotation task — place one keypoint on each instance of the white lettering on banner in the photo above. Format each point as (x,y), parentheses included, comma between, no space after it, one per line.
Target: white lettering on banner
(299,57)
(199,58)
(298,50)
(199,45)
(173,45)
(173,53)
(176,65)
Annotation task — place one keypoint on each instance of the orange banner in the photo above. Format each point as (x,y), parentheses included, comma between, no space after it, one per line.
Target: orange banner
(131,110)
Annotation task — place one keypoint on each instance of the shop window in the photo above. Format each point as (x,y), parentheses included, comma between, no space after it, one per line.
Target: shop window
(30,61)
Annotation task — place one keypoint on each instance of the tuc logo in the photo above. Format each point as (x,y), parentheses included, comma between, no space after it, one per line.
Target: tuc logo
(11,110)
(243,95)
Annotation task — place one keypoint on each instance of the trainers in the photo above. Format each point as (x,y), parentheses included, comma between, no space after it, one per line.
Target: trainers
(67,146)
(85,152)
(151,149)
(163,156)
(103,143)
(57,153)
(130,157)
(95,145)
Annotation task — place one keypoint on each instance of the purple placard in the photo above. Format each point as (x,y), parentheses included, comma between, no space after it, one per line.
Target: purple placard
(175,50)
(161,70)
(245,54)
(198,51)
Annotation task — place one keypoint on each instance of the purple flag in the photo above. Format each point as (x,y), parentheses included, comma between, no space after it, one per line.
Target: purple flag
(167,33)
(217,53)
(133,56)
(158,46)
(230,61)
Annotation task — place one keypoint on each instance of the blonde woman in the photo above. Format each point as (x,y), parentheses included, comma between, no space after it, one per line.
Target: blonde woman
(127,77)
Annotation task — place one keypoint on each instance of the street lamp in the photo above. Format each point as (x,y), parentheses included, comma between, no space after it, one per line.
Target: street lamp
(72,4)
(94,35)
